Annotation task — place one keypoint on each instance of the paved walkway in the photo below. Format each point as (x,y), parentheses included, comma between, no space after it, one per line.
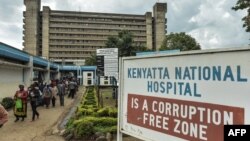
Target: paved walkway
(42,128)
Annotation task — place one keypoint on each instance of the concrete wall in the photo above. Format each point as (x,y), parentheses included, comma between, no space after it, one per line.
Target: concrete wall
(45,32)
(149,30)
(160,10)
(31,24)
(11,77)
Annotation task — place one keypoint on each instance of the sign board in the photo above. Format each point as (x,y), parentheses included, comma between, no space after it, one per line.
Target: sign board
(185,96)
(157,52)
(107,62)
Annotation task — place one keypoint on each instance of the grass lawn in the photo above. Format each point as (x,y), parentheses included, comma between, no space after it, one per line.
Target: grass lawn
(107,98)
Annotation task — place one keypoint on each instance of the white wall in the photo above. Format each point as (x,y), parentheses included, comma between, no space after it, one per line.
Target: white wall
(104,81)
(87,78)
(10,78)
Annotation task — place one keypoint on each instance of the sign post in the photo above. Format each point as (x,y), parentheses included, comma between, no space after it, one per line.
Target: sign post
(184,96)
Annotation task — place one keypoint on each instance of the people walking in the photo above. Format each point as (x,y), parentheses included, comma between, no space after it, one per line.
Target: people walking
(54,92)
(72,88)
(3,116)
(47,95)
(20,107)
(34,95)
(61,92)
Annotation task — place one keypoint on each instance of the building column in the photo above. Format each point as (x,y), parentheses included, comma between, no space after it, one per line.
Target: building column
(32,26)
(58,74)
(149,31)
(47,74)
(159,28)
(28,73)
(45,31)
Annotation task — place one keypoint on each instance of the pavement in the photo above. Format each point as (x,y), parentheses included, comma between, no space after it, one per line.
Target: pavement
(43,129)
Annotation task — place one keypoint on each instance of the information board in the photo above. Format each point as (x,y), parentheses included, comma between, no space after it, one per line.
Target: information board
(184,96)
(107,62)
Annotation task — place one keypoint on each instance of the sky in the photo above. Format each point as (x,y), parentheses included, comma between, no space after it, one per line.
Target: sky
(211,22)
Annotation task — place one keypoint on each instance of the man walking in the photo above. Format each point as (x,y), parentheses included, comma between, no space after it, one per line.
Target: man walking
(72,88)
(61,92)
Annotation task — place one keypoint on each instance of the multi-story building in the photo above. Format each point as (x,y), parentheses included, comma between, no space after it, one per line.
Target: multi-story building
(67,36)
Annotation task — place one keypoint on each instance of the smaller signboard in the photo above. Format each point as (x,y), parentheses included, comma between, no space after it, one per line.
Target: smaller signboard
(107,62)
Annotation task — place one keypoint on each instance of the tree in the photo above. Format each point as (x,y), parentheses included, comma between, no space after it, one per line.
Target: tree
(112,42)
(124,42)
(180,41)
(240,5)
(91,61)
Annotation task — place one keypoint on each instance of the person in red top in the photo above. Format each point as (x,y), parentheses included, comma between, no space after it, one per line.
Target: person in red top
(20,108)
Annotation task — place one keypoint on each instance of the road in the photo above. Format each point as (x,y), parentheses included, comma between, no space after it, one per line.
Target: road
(42,129)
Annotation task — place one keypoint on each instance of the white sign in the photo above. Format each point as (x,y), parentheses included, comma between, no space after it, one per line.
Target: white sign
(186,96)
(110,61)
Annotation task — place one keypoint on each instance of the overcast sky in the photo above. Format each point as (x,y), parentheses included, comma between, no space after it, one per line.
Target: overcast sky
(211,22)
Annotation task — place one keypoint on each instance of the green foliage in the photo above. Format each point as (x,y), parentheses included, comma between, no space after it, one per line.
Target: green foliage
(89,125)
(112,42)
(69,124)
(7,102)
(89,119)
(103,112)
(107,112)
(113,112)
(90,98)
(241,5)
(83,128)
(124,43)
(91,61)
(112,129)
(84,112)
(180,41)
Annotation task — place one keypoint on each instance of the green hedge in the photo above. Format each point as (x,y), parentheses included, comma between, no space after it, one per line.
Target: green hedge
(7,102)
(90,119)
(107,112)
(89,125)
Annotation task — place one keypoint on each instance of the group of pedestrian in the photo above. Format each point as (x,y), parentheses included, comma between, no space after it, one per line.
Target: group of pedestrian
(39,94)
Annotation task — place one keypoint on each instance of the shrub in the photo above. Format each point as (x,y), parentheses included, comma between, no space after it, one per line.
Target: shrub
(7,102)
(86,126)
(69,124)
(103,112)
(112,129)
(113,112)
(84,112)
(89,103)
(83,128)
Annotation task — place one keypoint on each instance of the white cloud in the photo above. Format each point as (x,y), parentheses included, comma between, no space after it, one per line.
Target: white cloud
(218,26)
(211,22)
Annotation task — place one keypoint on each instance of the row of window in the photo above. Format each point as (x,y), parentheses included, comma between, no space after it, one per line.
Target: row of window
(108,18)
(86,36)
(74,47)
(95,25)
(71,52)
(75,41)
(93,30)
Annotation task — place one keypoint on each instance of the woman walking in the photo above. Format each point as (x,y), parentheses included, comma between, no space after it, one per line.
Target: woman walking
(47,95)
(20,108)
